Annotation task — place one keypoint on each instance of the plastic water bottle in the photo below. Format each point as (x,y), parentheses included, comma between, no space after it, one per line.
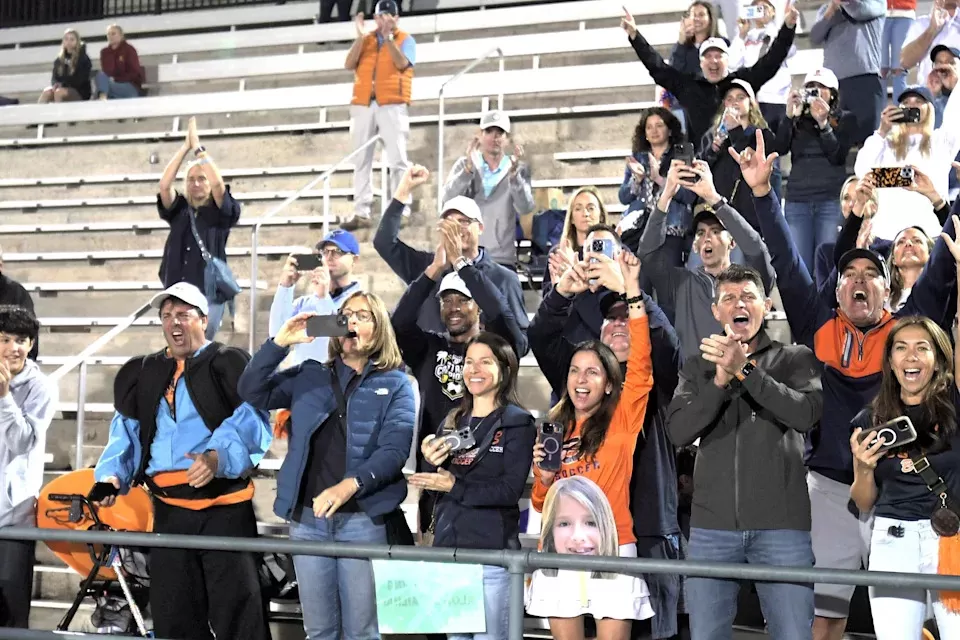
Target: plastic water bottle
(722,129)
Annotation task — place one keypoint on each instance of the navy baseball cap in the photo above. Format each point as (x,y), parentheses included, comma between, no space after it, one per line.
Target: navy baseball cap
(916,90)
(872,256)
(942,47)
(387,6)
(344,241)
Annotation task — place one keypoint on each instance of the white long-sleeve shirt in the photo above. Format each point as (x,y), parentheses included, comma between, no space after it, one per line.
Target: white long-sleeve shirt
(746,52)
(900,208)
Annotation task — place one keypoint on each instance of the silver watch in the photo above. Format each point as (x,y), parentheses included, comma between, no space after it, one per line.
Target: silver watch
(460,263)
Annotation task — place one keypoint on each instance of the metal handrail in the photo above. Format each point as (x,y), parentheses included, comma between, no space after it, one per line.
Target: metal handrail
(81,360)
(467,69)
(323,177)
(516,562)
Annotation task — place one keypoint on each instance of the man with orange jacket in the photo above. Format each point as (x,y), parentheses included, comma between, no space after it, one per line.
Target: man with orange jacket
(382,61)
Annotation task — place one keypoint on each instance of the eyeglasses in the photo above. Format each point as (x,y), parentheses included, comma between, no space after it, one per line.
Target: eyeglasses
(462,221)
(332,252)
(362,315)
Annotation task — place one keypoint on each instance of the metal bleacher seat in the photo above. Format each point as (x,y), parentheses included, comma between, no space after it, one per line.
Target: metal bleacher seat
(50,256)
(53,288)
(149,225)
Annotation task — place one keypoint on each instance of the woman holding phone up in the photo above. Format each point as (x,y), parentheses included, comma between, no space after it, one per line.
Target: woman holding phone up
(482,457)
(601,414)
(906,137)
(912,530)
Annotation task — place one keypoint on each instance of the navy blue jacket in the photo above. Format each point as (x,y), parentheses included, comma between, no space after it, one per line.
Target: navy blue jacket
(380,417)
(482,510)
(818,157)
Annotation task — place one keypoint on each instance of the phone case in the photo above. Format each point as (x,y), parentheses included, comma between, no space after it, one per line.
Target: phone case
(307,261)
(329,326)
(890,177)
(553,447)
(896,433)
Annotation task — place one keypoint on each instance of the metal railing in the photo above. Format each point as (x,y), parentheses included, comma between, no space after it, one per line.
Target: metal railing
(15,13)
(81,360)
(254,243)
(516,562)
(440,123)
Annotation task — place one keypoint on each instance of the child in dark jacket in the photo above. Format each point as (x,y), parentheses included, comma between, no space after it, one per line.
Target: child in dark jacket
(482,456)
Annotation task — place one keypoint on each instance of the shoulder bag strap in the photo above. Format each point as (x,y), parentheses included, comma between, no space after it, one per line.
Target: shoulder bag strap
(341,399)
(935,484)
(191,213)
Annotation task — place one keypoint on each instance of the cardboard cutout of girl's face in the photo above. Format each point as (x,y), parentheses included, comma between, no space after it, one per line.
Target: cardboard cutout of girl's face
(575,530)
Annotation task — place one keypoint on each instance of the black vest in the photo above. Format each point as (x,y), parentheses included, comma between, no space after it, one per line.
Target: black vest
(211,379)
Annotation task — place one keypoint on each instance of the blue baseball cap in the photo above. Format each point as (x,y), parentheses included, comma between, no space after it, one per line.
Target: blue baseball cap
(916,90)
(942,47)
(343,240)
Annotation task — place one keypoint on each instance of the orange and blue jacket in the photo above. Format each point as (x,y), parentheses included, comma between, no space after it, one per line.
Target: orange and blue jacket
(852,358)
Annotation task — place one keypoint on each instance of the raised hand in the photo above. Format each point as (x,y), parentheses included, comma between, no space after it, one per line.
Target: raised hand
(413,177)
(358,24)
(294,330)
(791,15)
(628,24)
(952,244)
(756,166)
(515,159)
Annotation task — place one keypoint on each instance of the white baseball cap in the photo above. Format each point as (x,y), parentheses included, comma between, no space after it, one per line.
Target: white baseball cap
(464,205)
(823,77)
(743,84)
(185,292)
(453,282)
(495,118)
(714,43)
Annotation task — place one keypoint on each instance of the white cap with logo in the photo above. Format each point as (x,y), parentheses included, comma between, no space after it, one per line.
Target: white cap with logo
(823,77)
(453,282)
(185,292)
(714,43)
(495,118)
(464,205)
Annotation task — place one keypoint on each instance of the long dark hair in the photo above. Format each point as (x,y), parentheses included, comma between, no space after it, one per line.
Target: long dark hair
(594,430)
(640,143)
(714,31)
(938,409)
(508,365)
(896,278)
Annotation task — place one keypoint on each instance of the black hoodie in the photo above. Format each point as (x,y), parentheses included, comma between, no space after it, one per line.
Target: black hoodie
(77,78)
(482,510)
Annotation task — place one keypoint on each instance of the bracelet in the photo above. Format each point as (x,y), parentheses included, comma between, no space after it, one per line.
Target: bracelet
(939,204)
(634,299)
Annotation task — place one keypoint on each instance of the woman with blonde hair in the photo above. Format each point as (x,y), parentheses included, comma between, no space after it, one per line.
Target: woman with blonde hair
(735,128)
(350,430)
(121,75)
(914,144)
(71,71)
(578,519)
(585,210)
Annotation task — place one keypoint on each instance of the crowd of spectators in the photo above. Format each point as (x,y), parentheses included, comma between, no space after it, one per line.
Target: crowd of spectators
(652,335)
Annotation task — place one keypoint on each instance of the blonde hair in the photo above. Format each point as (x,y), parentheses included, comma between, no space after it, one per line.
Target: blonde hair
(591,497)
(117,27)
(71,62)
(186,184)
(899,139)
(874,198)
(569,231)
(754,116)
(383,352)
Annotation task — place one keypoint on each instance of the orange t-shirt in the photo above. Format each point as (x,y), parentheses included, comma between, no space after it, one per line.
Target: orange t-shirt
(612,465)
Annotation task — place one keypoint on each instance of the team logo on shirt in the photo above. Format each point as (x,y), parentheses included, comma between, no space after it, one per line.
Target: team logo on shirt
(449,373)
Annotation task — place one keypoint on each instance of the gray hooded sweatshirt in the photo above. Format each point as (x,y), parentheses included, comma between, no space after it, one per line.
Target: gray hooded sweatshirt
(25,415)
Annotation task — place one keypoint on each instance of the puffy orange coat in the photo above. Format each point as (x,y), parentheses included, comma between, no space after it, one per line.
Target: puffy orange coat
(377,75)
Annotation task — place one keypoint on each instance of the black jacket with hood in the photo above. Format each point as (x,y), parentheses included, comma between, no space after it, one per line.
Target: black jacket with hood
(482,510)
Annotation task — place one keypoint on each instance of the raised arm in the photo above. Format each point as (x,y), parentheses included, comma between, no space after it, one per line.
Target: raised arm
(919,40)
(673,80)
(931,294)
(218,187)
(261,385)
(411,339)
(353,55)
(168,193)
(552,350)
(496,312)
(638,381)
(769,64)
(408,263)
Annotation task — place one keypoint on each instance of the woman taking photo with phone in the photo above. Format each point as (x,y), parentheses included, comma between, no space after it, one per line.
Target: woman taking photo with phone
(601,413)
(351,424)
(482,457)
(906,137)
(918,383)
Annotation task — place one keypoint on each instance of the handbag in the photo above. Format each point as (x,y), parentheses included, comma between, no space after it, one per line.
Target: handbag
(395,523)
(944,520)
(219,284)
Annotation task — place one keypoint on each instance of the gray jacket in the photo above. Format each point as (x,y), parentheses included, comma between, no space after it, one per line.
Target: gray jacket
(851,37)
(690,293)
(511,197)
(750,472)
(25,415)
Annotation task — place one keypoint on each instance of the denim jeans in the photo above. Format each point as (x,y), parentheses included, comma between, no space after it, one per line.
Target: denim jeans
(496,610)
(114,89)
(894,34)
(215,317)
(337,594)
(812,224)
(712,603)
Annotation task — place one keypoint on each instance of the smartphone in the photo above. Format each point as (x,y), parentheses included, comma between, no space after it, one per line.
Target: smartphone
(684,153)
(461,440)
(896,433)
(331,326)
(102,490)
(911,115)
(893,177)
(751,13)
(602,245)
(810,95)
(550,435)
(308,261)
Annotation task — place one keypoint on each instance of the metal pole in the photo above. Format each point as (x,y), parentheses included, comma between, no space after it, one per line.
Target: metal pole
(326,207)
(384,183)
(440,154)
(516,565)
(254,242)
(81,401)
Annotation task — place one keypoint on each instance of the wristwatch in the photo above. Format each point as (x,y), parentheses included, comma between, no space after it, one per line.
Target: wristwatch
(359,483)
(199,150)
(461,263)
(746,370)
(719,203)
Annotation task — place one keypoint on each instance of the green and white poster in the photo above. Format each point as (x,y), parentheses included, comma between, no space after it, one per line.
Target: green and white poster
(429,597)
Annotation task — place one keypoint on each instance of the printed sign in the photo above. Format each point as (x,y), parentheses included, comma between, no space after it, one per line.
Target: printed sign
(429,597)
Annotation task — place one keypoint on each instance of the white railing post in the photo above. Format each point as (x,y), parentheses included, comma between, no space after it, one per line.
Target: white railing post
(441,115)
(81,402)
(323,177)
